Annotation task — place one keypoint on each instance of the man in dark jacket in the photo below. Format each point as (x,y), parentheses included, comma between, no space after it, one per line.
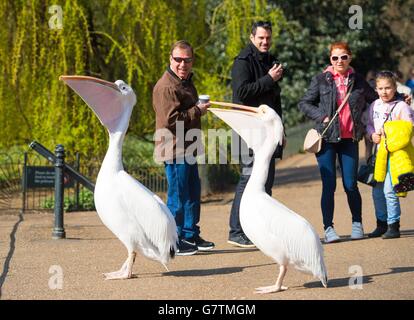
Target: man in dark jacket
(255,75)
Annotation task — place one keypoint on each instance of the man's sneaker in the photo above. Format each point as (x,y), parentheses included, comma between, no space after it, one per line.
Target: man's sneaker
(331,236)
(200,243)
(357,231)
(241,241)
(184,248)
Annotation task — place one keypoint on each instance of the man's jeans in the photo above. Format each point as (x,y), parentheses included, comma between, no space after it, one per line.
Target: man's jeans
(386,202)
(348,154)
(184,193)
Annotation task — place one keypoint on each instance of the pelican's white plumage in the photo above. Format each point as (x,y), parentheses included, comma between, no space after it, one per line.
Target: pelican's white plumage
(131,211)
(276,230)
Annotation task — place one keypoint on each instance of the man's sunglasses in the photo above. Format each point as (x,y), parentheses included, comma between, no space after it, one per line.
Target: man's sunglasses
(179,60)
(343,58)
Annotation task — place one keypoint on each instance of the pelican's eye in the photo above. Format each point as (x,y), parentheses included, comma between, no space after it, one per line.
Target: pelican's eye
(123,88)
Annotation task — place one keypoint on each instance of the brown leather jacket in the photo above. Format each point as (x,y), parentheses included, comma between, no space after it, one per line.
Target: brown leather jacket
(174,101)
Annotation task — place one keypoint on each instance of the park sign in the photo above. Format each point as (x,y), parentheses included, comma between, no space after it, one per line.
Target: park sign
(44,177)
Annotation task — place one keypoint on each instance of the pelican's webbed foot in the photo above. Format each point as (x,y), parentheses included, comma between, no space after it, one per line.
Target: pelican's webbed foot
(125,272)
(270,289)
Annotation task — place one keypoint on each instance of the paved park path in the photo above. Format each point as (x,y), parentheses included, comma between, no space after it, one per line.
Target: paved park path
(31,263)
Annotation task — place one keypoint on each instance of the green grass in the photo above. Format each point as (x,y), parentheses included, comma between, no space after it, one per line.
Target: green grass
(86,202)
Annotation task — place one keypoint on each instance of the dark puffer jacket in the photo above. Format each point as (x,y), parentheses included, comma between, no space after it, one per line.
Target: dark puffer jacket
(319,101)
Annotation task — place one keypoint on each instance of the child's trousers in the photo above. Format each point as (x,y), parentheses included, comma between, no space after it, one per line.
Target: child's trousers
(386,202)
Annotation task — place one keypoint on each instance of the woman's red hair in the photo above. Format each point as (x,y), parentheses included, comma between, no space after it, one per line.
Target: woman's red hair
(340,45)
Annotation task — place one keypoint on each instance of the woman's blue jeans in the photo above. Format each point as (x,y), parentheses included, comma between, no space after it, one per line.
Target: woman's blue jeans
(184,192)
(347,152)
(386,202)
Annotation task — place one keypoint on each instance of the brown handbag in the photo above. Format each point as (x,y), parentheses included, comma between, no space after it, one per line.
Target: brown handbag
(313,139)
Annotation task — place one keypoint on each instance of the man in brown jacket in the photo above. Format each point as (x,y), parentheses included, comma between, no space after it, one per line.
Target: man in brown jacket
(178,113)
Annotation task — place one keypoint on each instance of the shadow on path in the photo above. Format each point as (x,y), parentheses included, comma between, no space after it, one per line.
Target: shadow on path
(296,175)
(407,233)
(10,253)
(238,250)
(345,282)
(211,272)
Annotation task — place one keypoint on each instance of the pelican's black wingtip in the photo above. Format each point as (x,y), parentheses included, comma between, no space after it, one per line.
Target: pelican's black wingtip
(172,252)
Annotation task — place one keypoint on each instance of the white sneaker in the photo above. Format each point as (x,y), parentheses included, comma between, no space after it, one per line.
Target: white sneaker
(331,236)
(357,231)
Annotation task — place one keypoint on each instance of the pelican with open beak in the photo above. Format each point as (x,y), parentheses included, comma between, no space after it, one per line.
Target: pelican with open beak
(131,211)
(277,231)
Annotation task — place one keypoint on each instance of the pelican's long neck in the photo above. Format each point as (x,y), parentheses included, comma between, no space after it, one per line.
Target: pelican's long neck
(262,158)
(113,158)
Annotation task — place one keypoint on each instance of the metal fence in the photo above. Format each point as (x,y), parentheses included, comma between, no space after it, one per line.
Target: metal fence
(11,169)
(14,197)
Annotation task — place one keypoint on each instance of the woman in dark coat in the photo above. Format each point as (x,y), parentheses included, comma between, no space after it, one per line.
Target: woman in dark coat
(324,95)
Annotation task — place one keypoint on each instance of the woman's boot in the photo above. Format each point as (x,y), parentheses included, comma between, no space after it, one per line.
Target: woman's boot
(393,231)
(380,230)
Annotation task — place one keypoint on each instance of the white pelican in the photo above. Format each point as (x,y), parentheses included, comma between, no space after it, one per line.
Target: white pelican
(276,230)
(133,213)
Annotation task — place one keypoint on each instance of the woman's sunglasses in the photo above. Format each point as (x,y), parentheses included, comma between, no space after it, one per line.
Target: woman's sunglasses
(343,58)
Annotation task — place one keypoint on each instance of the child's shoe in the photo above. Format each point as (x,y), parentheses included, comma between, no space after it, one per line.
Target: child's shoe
(380,230)
(393,231)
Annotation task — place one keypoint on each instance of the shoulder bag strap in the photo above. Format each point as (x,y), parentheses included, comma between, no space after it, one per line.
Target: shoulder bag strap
(386,119)
(339,109)
(389,114)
